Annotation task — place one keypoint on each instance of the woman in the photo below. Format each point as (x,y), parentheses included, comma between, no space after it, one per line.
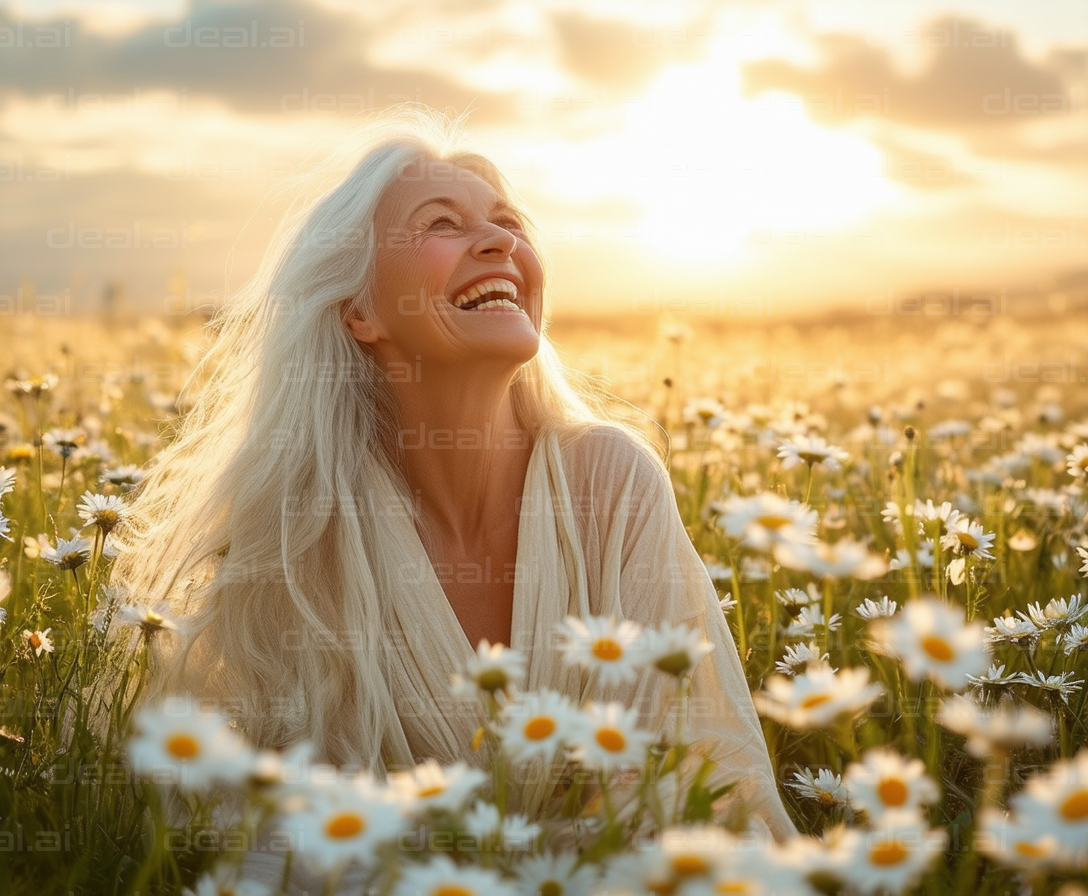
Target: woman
(387,463)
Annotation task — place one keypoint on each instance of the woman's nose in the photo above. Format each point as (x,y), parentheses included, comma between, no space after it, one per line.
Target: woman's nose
(495,242)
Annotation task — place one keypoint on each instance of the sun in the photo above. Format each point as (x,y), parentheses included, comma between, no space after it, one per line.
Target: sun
(708,169)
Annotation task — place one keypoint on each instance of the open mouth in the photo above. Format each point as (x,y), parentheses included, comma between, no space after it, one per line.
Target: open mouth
(493,294)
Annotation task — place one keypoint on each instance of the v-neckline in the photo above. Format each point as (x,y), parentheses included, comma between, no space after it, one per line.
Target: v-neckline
(436,586)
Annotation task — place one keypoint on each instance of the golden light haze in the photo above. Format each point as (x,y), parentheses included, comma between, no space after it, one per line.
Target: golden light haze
(702,158)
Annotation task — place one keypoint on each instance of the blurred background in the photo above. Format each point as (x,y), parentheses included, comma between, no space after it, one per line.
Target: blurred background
(698,160)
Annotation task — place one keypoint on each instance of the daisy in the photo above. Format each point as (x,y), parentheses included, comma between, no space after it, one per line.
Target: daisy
(1010,841)
(706,411)
(845,558)
(882,609)
(800,655)
(968,539)
(488,829)
(817,698)
(5,527)
(557,874)
(68,554)
(1058,613)
(430,786)
(537,725)
(1077,461)
(609,648)
(727,602)
(64,442)
(825,787)
(148,619)
(180,742)
(1083,554)
(1063,685)
(931,640)
(441,877)
(824,856)
(1005,726)
(1055,803)
(1075,639)
(892,514)
(994,676)
(342,824)
(39,641)
(811,619)
(893,854)
(7,481)
(126,476)
(1022,540)
(765,520)
(492,668)
(794,599)
(103,511)
(923,557)
(223,881)
(608,738)
(674,649)
(927,514)
(811,450)
(886,782)
(1021,632)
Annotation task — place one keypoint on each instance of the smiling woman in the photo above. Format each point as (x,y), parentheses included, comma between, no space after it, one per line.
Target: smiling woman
(387,463)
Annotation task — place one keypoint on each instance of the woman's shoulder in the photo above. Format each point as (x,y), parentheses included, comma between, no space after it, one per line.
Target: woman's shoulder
(609,452)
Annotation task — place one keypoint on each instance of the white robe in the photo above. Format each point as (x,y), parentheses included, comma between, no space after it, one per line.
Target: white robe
(599,534)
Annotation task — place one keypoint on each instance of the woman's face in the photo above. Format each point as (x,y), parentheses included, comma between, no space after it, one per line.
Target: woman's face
(455,278)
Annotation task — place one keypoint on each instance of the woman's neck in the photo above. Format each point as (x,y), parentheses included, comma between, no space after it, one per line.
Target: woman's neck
(464,453)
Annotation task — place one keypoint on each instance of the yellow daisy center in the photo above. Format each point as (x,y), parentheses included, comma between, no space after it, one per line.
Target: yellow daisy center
(183,746)
(1029,850)
(1083,462)
(1076,807)
(814,700)
(106,516)
(433,790)
(938,648)
(551,888)
(826,798)
(892,792)
(341,827)
(611,739)
(689,866)
(887,854)
(539,728)
(773,521)
(153,618)
(968,540)
(734,886)
(453,890)
(35,640)
(607,650)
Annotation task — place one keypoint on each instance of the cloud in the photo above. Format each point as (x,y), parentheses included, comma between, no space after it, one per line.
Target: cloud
(267,58)
(974,78)
(620,54)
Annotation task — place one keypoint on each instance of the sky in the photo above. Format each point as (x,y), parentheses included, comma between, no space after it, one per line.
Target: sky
(690,157)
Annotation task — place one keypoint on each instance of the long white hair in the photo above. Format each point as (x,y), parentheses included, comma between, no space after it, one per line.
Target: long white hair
(258,521)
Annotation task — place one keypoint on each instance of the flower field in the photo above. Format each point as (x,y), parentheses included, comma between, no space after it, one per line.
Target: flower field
(894,512)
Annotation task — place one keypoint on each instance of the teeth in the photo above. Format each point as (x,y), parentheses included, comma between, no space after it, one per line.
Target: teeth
(496,303)
(485,286)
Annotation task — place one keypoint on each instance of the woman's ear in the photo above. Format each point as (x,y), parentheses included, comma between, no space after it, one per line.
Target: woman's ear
(362,329)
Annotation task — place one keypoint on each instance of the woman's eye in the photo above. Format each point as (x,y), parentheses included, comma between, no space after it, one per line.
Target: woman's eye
(512,224)
(443,223)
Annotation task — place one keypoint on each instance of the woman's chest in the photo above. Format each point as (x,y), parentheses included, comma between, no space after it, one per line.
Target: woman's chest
(479,584)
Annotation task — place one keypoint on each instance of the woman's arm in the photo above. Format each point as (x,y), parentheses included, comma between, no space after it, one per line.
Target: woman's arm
(642,566)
